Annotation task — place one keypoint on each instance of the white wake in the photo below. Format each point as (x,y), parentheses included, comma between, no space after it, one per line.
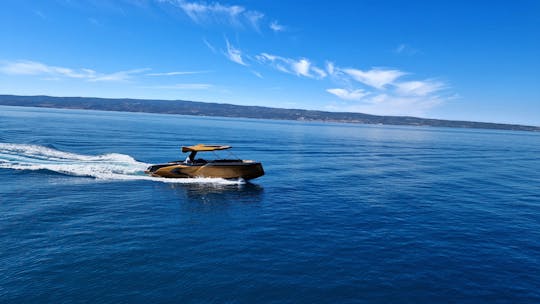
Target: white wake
(112,166)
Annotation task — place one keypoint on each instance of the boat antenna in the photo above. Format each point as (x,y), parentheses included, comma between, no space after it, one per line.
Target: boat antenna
(233,155)
(229,154)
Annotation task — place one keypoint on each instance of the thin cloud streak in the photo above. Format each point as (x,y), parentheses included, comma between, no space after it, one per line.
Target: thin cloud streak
(405,49)
(183,86)
(118,76)
(257,74)
(209,46)
(26,67)
(177,73)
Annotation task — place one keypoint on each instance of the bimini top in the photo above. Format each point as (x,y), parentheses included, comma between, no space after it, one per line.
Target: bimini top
(204,148)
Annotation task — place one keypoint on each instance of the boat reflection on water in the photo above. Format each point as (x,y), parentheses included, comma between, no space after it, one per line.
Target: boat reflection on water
(210,194)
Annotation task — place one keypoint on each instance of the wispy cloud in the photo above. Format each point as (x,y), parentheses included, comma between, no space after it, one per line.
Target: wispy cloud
(374,90)
(177,73)
(377,78)
(320,73)
(254,18)
(386,104)
(25,67)
(95,22)
(413,97)
(209,46)
(352,95)
(40,14)
(183,86)
(202,12)
(117,76)
(384,91)
(418,88)
(217,13)
(234,54)
(276,27)
(300,67)
(405,49)
(330,68)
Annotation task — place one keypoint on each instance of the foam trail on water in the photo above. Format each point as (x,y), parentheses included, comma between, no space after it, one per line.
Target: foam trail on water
(112,166)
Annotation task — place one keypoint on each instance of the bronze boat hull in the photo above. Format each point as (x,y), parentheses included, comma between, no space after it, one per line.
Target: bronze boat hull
(219,169)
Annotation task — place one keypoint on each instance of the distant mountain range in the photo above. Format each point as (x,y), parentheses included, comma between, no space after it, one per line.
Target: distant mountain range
(185,107)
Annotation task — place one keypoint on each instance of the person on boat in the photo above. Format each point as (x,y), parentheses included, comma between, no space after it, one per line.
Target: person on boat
(190,159)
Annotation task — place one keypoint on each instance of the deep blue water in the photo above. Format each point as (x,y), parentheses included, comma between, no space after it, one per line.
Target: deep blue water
(345,213)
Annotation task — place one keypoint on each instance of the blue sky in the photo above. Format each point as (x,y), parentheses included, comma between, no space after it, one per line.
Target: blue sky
(469,60)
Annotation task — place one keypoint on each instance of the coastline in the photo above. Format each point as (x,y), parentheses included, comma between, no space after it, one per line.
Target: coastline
(194,108)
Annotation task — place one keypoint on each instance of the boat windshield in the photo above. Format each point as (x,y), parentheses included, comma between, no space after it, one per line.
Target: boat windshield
(214,156)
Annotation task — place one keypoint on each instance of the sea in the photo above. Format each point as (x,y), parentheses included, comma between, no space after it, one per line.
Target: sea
(346,213)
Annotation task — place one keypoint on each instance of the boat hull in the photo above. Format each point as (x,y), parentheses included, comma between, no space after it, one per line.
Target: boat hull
(243,169)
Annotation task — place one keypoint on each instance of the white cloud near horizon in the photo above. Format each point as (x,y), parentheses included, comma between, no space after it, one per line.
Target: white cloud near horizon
(376,77)
(401,98)
(352,95)
(386,104)
(27,67)
(384,92)
(117,76)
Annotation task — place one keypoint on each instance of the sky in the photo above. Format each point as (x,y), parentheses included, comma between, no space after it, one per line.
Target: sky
(463,60)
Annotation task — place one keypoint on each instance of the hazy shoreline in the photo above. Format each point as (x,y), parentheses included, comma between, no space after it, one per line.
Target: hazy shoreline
(229,110)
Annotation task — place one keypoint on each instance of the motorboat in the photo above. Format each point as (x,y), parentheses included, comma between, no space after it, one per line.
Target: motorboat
(192,167)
